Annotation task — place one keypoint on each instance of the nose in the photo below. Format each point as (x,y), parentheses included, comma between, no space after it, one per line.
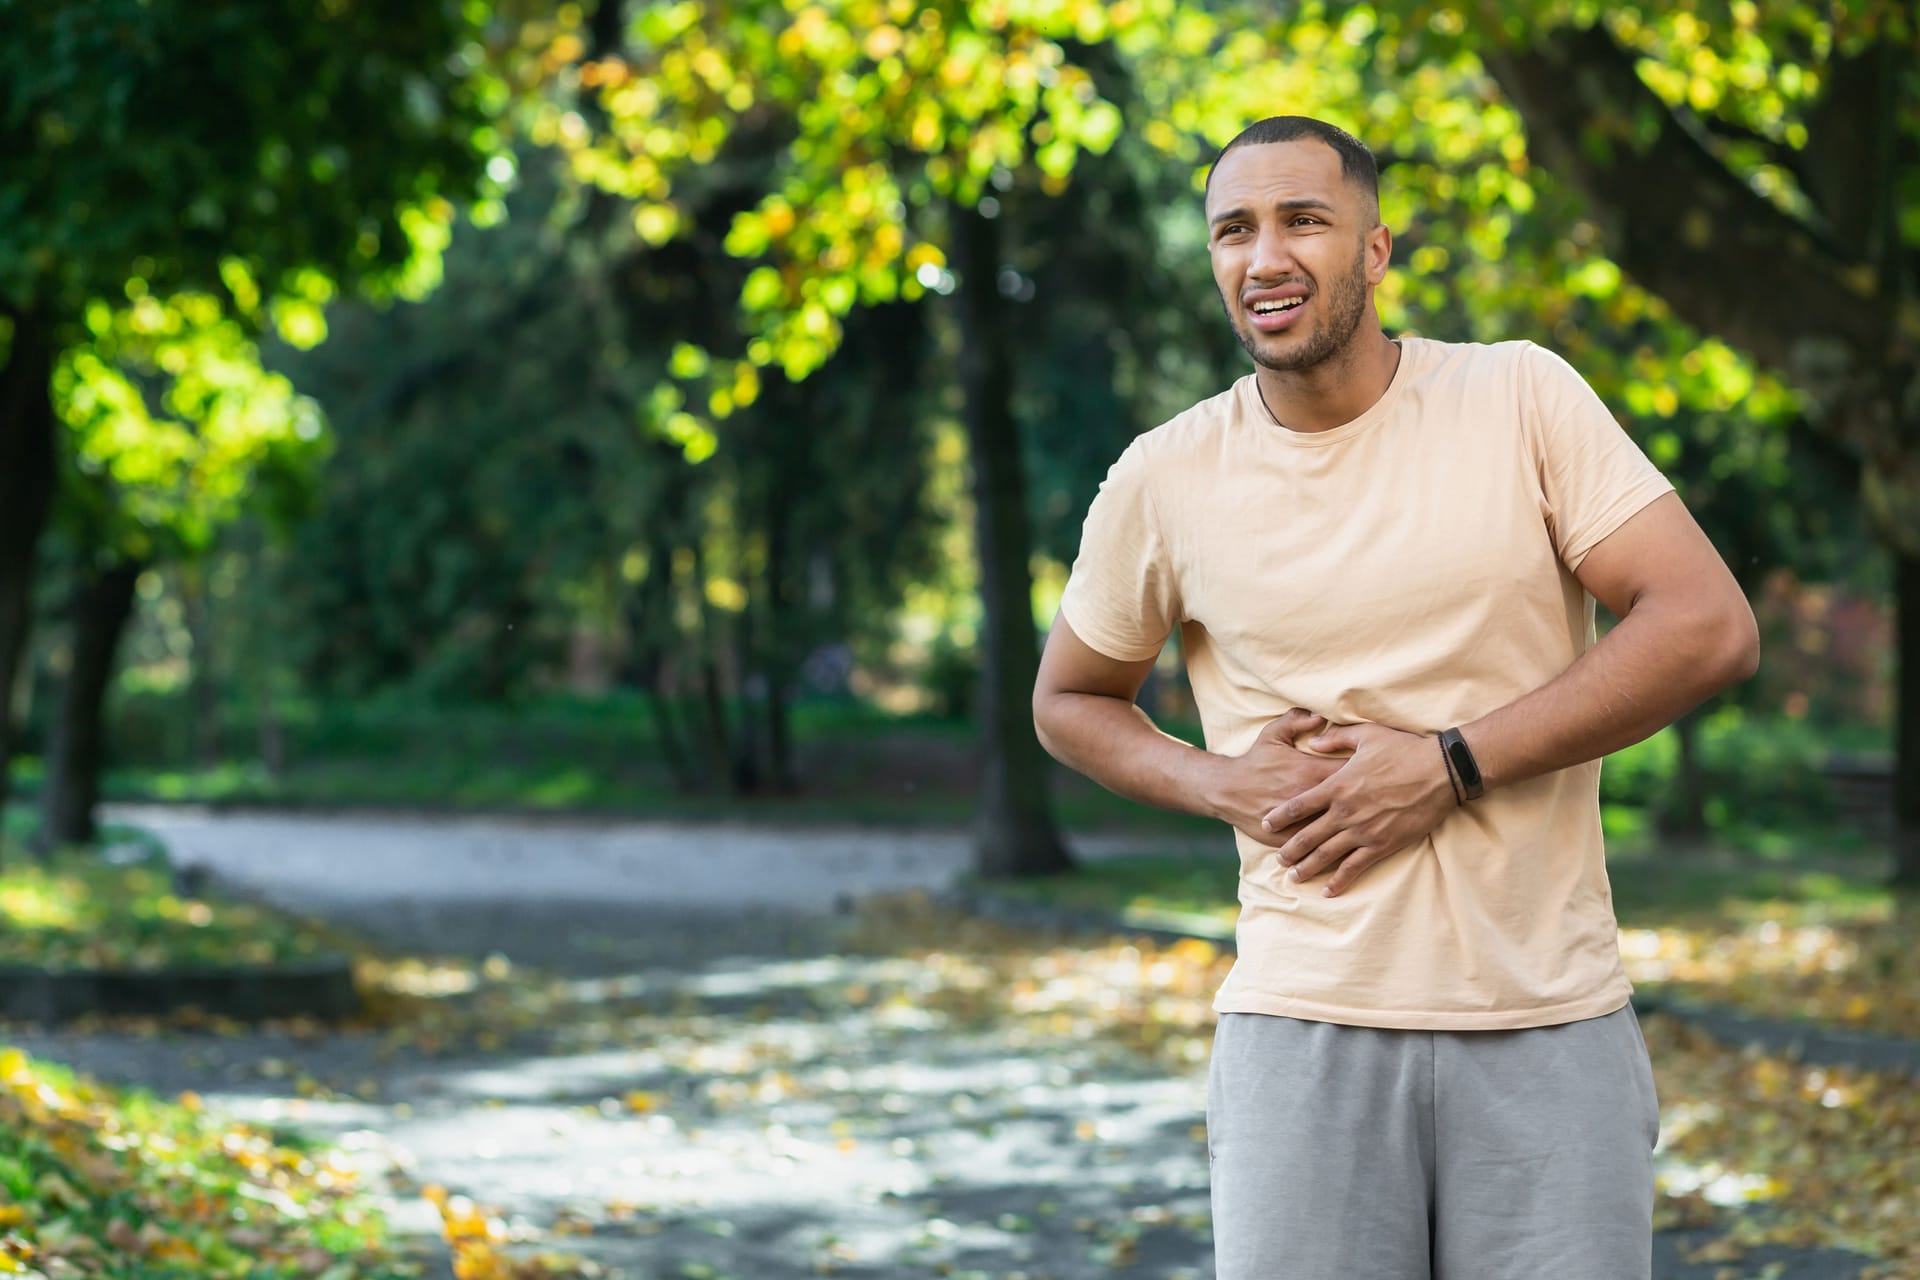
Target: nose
(1272,256)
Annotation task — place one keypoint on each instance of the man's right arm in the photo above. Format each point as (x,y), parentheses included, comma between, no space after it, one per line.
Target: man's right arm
(1086,718)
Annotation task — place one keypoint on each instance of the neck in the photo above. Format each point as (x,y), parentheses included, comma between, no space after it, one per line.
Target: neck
(1334,392)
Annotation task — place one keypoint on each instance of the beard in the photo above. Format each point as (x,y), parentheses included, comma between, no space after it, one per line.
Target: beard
(1346,307)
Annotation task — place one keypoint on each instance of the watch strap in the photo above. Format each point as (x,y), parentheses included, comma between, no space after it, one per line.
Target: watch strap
(1446,762)
(1460,756)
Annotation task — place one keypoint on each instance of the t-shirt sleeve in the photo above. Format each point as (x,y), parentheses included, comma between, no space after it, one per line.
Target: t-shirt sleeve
(1592,475)
(1121,597)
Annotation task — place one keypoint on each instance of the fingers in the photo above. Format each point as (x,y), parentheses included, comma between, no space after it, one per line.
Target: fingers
(1290,725)
(1351,868)
(1344,737)
(1275,839)
(1310,837)
(1324,856)
(1300,807)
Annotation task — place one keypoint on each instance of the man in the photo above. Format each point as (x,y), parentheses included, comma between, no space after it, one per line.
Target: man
(1383,555)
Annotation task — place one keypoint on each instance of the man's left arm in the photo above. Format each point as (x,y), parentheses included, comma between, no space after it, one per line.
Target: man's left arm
(1685,632)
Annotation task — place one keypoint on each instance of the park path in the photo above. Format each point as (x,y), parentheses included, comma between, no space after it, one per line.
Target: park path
(717,1070)
(324,860)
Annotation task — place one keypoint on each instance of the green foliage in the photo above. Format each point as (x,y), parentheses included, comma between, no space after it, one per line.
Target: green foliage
(176,429)
(1764,774)
(80,911)
(252,150)
(502,490)
(126,1186)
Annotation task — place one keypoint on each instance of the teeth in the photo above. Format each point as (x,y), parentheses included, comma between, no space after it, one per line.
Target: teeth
(1282,304)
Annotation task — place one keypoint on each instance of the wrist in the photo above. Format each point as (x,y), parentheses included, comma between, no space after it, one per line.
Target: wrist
(1449,787)
(1214,786)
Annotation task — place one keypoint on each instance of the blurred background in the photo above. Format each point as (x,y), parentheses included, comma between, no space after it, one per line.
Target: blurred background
(497,414)
(567,408)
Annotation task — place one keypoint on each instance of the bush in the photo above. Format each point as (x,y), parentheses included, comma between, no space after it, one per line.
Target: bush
(1761,773)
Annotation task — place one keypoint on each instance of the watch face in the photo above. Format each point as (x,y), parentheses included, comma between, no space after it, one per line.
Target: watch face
(1463,761)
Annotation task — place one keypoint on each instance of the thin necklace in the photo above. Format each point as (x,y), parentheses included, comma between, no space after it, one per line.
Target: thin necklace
(1259,391)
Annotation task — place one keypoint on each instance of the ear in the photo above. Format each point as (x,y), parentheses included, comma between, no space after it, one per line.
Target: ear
(1379,253)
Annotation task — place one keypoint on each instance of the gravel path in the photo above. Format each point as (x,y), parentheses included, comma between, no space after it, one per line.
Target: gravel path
(321,861)
(717,1081)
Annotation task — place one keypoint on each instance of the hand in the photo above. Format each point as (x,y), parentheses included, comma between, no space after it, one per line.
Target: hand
(1271,767)
(1393,790)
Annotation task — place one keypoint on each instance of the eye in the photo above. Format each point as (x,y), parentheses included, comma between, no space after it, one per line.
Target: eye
(1304,217)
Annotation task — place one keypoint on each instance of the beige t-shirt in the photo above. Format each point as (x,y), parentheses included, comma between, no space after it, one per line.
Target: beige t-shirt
(1412,568)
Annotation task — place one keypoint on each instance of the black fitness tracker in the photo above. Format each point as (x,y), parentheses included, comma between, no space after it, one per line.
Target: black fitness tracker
(1460,756)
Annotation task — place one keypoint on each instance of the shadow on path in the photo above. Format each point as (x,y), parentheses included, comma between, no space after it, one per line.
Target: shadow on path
(762,1095)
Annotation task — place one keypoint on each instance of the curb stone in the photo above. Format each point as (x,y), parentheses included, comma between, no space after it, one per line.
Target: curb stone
(1811,1043)
(320,988)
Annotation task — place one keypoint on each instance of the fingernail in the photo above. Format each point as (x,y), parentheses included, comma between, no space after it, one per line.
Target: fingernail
(1327,892)
(1294,875)
(1265,825)
(1316,743)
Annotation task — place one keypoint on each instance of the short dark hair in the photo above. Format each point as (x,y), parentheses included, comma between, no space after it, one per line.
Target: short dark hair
(1357,164)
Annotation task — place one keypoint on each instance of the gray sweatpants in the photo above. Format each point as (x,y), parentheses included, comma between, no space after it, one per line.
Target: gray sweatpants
(1355,1153)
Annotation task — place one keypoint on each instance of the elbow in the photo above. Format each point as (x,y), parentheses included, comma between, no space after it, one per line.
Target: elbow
(1042,705)
(1739,645)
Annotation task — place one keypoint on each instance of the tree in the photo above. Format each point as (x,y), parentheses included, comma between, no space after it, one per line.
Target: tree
(264,154)
(174,431)
(1758,167)
(904,129)
(514,470)
(941,101)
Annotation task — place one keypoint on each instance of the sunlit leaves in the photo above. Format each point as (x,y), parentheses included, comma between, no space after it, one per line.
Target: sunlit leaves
(896,107)
(83,913)
(172,413)
(97,1182)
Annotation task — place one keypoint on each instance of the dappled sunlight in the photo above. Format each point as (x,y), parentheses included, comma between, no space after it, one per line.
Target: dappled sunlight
(862,1110)
(92,1177)
(943,1091)
(52,905)
(1821,1155)
(1858,969)
(80,911)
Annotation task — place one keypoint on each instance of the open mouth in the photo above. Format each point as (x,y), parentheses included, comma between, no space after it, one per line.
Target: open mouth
(1273,314)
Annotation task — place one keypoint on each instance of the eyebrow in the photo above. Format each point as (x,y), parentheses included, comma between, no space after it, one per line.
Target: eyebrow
(1305,202)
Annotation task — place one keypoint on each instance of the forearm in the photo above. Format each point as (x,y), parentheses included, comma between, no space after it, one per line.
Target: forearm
(1658,663)
(1118,745)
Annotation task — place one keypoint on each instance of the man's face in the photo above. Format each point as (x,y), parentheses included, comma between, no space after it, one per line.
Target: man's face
(1296,251)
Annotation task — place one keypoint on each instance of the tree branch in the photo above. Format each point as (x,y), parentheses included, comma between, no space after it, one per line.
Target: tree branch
(1727,260)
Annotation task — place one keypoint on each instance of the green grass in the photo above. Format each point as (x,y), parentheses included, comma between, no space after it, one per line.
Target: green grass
(80,911)
(856,764)
(123,1185)
(1652,883)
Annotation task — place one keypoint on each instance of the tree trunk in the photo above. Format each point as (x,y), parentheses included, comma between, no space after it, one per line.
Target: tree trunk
(1906,761)
(768,621)
(1683,811)
(778,654)
(1014,832)
(273,736)
(649,610)
(717,736)
(102,604)
(203,690)
(26,496)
